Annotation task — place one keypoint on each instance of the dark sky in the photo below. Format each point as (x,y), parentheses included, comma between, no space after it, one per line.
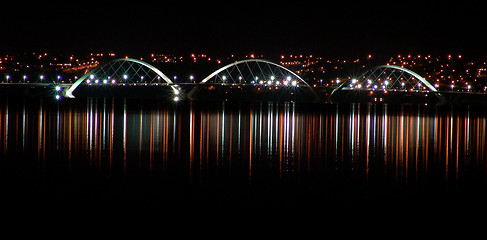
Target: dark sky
(345,28)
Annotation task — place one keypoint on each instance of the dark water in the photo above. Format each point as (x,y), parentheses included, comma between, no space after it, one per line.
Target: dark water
(127,154)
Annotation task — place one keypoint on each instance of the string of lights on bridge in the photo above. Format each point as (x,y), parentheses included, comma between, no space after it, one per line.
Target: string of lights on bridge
(450,72)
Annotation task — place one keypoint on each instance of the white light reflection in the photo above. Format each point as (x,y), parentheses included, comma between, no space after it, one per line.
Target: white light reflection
(223,129)
(23,126)
(124,136)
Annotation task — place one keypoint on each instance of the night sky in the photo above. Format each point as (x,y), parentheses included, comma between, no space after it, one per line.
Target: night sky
(347,28)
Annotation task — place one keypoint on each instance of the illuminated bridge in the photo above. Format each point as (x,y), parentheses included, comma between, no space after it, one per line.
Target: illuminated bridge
(247,80)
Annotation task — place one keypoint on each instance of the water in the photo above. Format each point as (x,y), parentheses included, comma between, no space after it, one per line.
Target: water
(126,154)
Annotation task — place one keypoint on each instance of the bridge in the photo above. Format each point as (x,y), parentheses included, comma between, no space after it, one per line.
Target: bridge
(250,79)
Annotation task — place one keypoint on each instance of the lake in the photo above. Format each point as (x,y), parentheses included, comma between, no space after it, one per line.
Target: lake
(128,154)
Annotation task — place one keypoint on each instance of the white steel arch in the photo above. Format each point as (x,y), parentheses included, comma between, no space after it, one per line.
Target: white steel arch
(421,79)
(69,91)
(250,60)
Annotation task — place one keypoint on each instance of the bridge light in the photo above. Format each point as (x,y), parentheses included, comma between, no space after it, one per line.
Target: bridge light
(176,91)
(269,82)
(42,77)
(125,76)
(92,76)
(224,78)
(386,82)
(272,78)
(288,78)
(58,88)
(7,77)
(176,99)
(58,97)
(113,81)
(88,81)
(105,81)
(294,83)
(97,81)
(354,81)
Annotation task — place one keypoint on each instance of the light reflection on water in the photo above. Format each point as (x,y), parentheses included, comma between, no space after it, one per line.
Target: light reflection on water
(245,143)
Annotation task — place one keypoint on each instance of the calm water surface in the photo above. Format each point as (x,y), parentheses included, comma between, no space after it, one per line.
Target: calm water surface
(101,153)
